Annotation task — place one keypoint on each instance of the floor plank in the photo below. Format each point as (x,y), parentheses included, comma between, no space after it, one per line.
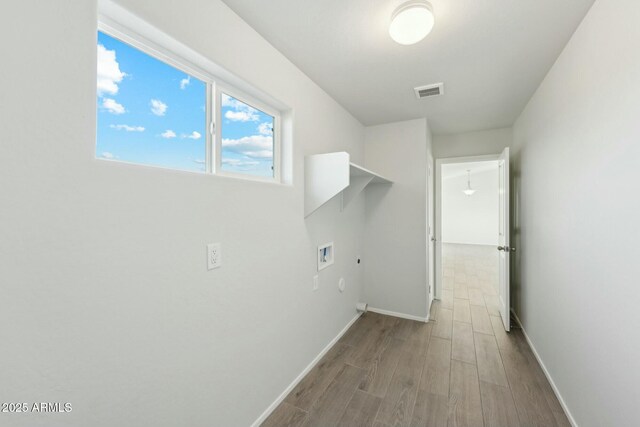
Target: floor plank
(397,406)
(505,342)
(561,419)
(476,297)
(528,395)
(330,406)
(443,327)
(497,406)
(461,312)
(286,415)
(361,410)
(460,291)
(418,338)
(480,319)
(381,369)
(448,283)
(317,381)
(460,275)
(371,345)
(433,313)
(463,348)
(531,405)
(447,299)
(431,410)
(437,368)
(465,407)
(365,324)
(490,368)
(536,372)
(401,328)
(493,304)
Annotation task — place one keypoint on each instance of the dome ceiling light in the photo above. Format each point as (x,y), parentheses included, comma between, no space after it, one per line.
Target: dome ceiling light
(411,22)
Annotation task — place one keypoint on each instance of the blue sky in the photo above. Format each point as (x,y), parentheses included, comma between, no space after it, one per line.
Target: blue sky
(151,113)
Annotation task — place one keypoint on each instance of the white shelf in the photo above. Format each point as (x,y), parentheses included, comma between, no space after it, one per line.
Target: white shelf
(327,175)
(355,170)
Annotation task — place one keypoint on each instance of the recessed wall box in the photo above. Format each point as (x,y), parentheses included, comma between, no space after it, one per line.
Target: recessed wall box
(325,255)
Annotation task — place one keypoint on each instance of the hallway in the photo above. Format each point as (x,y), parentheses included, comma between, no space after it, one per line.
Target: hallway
(470,272)
(460,369)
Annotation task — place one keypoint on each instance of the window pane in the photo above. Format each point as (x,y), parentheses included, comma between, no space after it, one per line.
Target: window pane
(148,111)
(247,139)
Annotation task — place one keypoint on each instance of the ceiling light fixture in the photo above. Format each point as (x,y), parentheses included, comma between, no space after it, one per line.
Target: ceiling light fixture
(469,191)
(411,22)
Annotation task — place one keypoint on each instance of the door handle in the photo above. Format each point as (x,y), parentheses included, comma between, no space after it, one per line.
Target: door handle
(433,239)
(501,248)
(506,248)
(512,249)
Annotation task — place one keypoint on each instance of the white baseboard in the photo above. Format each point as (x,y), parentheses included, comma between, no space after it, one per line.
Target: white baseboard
(304,372)
(396,314)
(546,372)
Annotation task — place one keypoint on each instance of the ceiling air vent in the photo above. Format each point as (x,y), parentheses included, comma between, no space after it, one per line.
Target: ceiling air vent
(429,90)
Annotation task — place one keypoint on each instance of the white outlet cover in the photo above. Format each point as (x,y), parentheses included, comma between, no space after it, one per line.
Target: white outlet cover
(214,256)
(341,284)
(315,282)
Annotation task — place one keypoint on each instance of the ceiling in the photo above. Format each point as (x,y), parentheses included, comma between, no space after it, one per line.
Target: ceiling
(454,170)
(490,54)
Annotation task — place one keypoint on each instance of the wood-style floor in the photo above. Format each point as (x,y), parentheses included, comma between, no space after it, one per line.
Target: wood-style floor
(460,369)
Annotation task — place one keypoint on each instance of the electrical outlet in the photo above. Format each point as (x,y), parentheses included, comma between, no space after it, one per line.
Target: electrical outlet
(214,256)
(315,282)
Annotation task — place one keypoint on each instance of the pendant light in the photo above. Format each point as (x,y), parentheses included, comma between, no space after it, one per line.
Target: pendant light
(411,22)
(469,191)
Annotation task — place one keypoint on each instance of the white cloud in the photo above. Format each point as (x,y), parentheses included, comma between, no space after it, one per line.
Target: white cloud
(109,74)
(158,107)
(265,128)
(112,106)
(193,135)
(168,134)
(239,163)
(199,161)
(240,112)
(228,101)
(128,128)
(256,146)
(185,82)
(241,116)
(260,154)
(107,155)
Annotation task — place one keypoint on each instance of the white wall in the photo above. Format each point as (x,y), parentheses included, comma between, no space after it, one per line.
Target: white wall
(105,298)
(576,179)
(470,219)
(395,279)
(491,141)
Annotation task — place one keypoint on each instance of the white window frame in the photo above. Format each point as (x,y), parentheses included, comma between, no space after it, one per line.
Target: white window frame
(213,111)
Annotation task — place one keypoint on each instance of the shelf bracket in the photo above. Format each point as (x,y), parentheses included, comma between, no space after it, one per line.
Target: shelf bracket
(357,184)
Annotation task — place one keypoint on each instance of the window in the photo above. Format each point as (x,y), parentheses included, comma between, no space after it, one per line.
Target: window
(148,111)
(247,138)
(161,113)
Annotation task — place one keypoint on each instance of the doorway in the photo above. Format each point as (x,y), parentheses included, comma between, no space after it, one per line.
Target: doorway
(471,231)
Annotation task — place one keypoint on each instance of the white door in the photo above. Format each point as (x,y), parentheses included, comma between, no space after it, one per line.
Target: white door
(503,241)
(431,250)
